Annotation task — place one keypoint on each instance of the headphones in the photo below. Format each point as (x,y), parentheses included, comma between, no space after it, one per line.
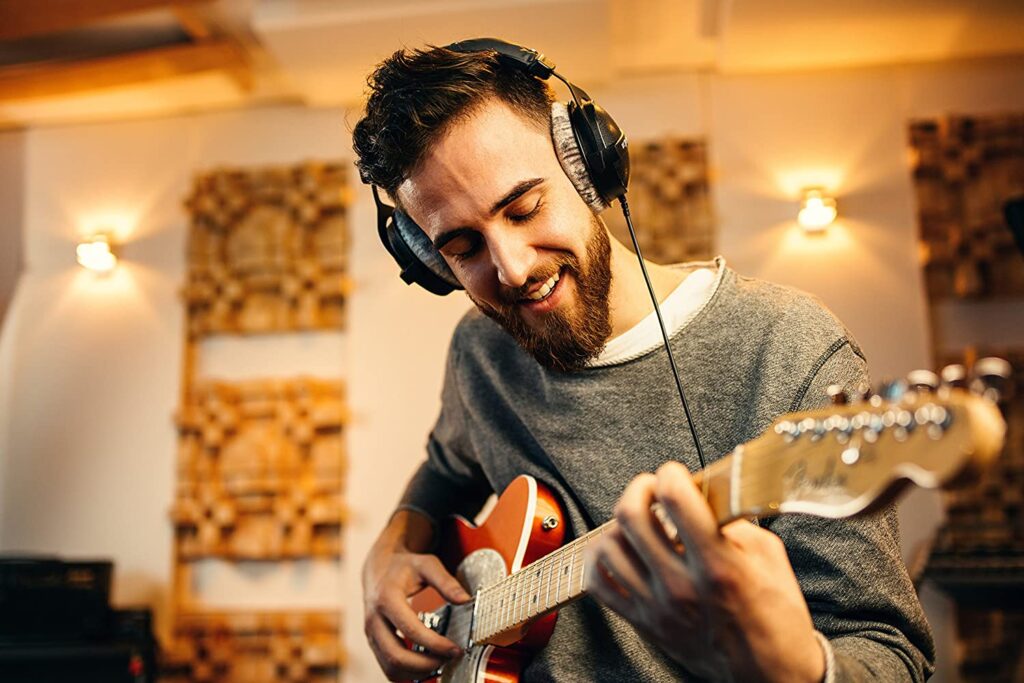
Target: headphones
(590,147)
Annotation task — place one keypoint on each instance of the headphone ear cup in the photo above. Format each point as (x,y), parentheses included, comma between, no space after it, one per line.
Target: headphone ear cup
(423,249)
(570,156)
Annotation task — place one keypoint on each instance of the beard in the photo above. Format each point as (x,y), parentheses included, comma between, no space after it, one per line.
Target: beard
(564,340)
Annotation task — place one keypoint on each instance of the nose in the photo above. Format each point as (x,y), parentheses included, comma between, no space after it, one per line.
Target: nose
(513,259)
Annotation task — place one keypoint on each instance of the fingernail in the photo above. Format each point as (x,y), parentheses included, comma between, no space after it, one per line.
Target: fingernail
(455,652)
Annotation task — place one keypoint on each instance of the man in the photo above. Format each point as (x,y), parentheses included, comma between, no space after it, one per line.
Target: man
(564,377)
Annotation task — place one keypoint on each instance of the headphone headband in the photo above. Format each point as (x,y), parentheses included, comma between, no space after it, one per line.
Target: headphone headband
(531,61)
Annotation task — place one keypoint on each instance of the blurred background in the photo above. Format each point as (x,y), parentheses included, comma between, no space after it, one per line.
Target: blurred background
(213,386)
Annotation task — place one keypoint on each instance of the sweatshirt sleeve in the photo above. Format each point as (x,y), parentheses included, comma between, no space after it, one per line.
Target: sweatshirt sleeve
(450,480)
(850,570)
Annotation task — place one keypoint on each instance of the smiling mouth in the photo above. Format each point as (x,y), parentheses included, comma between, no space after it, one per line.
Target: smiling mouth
(544,291)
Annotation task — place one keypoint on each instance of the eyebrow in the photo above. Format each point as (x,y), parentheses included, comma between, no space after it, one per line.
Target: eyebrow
(515,193)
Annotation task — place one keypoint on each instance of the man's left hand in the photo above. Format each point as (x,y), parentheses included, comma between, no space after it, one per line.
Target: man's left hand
(725,603)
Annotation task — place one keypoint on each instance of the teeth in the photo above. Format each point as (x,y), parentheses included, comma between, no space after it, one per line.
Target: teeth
(544,290)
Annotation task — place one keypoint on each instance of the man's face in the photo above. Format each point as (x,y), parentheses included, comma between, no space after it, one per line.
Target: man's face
(493,198)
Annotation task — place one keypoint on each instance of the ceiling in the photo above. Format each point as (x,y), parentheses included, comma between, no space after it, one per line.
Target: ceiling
(66,61)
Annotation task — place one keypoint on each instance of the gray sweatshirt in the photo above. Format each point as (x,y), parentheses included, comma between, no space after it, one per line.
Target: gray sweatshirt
(755,351)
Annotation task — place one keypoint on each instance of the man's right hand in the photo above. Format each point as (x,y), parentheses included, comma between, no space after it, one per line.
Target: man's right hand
(395,569)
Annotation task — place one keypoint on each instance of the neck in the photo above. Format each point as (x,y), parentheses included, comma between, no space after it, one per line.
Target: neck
(628,298)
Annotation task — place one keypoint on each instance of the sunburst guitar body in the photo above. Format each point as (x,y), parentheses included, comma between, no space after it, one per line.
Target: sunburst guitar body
(526,524)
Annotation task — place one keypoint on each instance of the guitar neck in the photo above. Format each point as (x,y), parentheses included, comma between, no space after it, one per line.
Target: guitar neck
(558,578)
(830,462)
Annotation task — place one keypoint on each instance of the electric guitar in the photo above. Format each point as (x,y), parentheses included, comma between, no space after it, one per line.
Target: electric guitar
(833,462)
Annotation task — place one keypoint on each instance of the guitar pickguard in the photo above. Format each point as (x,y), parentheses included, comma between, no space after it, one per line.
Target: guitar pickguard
(479,569)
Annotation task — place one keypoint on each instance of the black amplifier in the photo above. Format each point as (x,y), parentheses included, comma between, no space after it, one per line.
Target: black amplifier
(44,598)
(56,624)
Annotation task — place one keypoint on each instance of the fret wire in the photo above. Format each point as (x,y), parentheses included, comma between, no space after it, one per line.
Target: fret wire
(547,594)
(508,601)
(536,596)
(503,610)
(489,607)
(511,600)
(531,597)
(527,580)
(483,606)
(540,582)
(524,590)
(518,597)
(558,582)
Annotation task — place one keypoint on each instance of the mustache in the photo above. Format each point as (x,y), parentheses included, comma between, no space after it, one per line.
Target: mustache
(511,296)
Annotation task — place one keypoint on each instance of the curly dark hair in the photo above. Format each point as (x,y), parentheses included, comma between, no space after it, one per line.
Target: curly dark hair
(416,94)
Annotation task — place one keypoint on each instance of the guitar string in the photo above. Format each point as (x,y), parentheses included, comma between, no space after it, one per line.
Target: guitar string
(751,480)
(755,463)
(522,610)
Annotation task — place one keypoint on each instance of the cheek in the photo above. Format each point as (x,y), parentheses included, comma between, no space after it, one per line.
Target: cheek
(477,279)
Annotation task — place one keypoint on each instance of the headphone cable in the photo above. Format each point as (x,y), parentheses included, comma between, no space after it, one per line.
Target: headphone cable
(661,323)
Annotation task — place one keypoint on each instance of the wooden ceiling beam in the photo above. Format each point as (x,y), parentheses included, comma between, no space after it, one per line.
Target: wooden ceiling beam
(193,21)
(48,79)
(19,18)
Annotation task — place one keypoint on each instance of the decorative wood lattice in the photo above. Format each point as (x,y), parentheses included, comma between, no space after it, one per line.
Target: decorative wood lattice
(268,250)
(670,202)
(259,647)
(989,641)
(261,470)
(987,515)
(261,464)
(965,168)
(978,554)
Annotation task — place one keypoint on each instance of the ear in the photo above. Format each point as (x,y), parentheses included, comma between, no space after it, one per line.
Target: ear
(567,149)
(423,248)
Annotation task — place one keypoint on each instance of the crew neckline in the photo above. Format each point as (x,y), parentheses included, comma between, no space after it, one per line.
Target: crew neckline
(681,306)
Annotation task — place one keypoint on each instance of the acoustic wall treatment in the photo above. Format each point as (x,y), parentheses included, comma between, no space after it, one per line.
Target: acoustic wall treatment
(670,201)
(261,460)
(964,169)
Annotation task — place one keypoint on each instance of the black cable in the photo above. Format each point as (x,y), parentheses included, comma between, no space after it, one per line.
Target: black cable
(661,323)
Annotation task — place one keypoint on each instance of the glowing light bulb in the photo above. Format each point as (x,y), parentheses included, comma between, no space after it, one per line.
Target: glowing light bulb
(97,254)
(817,210)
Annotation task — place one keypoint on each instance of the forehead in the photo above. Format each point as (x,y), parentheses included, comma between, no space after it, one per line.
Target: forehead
(474,164)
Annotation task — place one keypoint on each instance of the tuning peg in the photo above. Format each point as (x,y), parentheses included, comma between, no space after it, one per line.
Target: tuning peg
(991,377)
(837,395)
(922,380)
(892,391)
(863,392)
(954,376)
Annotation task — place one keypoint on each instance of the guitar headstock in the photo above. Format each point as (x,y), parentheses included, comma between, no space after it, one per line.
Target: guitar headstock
(840,460)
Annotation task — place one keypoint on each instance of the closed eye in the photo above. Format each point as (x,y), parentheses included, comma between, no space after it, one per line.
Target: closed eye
(462,246)
(524,217)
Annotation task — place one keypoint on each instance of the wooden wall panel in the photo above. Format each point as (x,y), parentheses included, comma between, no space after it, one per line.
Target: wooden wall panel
(261,470)
(964,169)
(670,201)
(261,462)
(256,647)
(268,250)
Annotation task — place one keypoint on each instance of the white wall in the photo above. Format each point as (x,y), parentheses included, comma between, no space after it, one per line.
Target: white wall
(90,368)
(12,190)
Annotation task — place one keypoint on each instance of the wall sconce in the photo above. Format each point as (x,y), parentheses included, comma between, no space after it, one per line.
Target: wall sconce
(97,253)
(817,210)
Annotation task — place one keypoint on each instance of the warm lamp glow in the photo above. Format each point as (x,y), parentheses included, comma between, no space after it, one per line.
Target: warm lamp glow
(97,254)
(817,210)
